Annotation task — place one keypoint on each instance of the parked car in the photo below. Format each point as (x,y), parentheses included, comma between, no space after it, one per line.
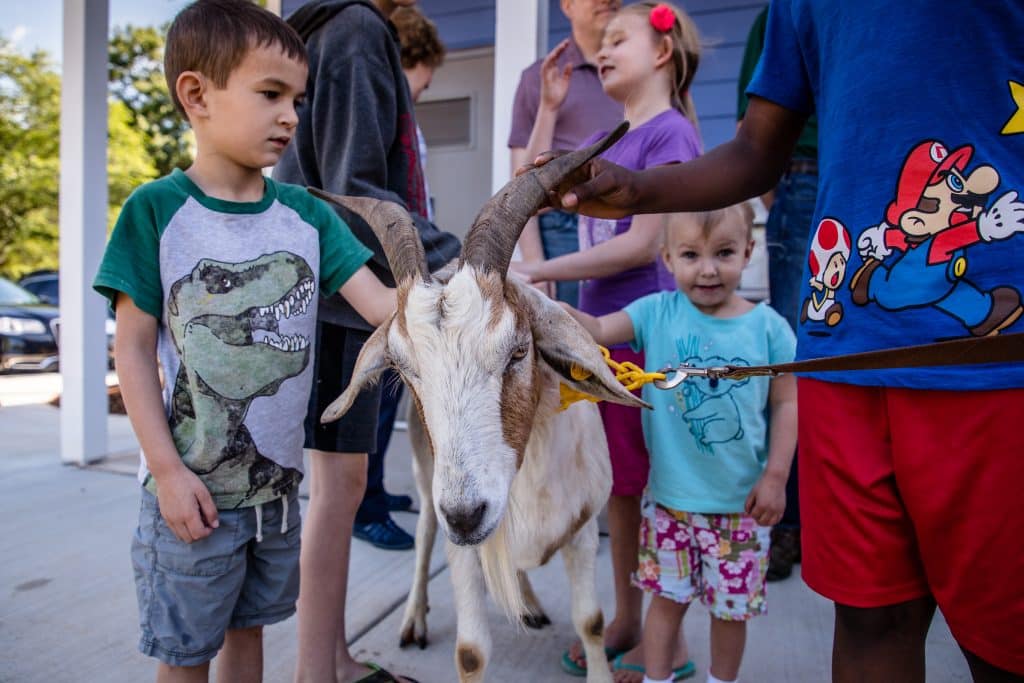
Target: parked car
(27,330)
(45,284)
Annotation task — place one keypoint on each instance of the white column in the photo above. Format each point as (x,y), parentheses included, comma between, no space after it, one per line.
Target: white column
(83,230)
(274,6)
(520,36)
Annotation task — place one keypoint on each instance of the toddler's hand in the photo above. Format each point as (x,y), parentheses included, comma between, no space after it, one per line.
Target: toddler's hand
(767,500)
(187,506)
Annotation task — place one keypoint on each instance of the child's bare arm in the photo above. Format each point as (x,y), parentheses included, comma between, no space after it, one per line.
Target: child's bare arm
(369,296)
(767,500)
(185,503)
(608,330)
(638,246)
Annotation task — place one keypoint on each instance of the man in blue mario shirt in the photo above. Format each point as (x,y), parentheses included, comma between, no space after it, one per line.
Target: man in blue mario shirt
(938,212)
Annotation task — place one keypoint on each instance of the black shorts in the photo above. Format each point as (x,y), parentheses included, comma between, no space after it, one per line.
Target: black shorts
(356,432)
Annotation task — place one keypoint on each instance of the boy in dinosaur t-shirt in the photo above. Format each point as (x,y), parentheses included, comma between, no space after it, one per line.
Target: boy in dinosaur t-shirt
(216,269)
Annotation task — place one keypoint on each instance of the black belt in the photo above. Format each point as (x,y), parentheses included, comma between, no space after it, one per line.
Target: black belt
(804,166)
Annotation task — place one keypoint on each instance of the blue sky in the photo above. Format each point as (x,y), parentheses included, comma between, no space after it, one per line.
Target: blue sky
(37,24)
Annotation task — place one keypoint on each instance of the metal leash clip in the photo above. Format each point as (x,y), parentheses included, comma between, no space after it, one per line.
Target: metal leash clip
(674,376)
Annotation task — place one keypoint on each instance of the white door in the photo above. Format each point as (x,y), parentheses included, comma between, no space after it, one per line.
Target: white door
(455,114)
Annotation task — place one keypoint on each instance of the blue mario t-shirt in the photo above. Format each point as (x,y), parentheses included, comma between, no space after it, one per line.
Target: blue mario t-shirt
(918,233)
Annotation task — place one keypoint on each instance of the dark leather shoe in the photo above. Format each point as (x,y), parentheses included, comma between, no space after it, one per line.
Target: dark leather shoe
(398,503)
(783,554)
(385,535)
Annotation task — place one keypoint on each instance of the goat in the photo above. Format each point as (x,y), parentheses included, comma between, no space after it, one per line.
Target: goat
(511,479)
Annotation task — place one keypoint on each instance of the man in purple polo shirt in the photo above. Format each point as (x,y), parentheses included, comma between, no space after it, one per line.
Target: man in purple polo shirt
(585,109)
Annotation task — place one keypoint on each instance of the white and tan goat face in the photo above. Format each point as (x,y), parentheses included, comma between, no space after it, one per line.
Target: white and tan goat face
(476,350)
(466,353)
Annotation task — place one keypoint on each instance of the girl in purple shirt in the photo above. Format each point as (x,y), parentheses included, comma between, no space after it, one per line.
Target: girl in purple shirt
(649,55)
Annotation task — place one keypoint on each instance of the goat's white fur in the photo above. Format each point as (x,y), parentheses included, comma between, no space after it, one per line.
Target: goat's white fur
(454,353)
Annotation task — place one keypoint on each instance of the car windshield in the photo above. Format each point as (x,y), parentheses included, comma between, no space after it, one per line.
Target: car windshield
(11,293)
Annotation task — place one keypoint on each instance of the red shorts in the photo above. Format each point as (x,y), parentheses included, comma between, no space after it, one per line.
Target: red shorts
(906,493)
(630,461)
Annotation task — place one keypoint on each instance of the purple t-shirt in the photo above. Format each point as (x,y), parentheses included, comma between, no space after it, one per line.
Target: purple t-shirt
(586,108)
(667,138)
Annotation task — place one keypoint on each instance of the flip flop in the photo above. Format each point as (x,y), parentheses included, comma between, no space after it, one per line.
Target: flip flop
(381,675)
(679,673)
(573,669)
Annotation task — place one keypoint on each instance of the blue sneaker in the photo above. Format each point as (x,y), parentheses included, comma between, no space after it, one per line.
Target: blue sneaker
(398,503)
(385,535)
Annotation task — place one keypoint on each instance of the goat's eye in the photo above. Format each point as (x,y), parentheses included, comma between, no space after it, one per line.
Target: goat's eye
(517,355)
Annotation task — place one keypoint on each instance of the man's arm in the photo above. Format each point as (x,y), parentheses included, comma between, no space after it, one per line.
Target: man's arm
(185,503)
(748,165)
(368,295)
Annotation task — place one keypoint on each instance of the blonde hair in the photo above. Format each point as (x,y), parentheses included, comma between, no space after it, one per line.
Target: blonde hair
(686,49)
(709,220)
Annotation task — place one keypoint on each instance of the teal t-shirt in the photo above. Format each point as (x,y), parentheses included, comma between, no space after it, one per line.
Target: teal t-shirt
(707,438)
(234,287)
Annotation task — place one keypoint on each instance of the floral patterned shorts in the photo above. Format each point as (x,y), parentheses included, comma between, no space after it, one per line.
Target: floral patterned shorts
(722,558)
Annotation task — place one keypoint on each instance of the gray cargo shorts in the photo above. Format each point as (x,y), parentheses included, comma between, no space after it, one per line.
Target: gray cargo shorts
(190,594)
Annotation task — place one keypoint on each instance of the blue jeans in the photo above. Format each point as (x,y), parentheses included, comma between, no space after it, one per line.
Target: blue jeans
(559,235)
(374,507)
(787,232)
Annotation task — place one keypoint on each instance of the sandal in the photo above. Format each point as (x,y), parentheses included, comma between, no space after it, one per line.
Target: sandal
(381,675)
(678,674)
(573,669)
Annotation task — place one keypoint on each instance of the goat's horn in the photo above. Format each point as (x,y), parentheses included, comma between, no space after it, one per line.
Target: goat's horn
(393,227)
(492,239)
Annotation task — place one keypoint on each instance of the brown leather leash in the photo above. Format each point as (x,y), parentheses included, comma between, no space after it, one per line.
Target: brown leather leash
(1003,348)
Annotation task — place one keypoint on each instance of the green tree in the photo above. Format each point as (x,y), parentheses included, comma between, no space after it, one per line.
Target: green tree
(137,80)
(29,136)
(30,164)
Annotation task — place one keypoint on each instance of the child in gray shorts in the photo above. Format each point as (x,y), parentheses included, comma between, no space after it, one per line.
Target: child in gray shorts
(217,271)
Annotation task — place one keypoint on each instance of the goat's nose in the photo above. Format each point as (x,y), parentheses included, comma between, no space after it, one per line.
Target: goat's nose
(464,520)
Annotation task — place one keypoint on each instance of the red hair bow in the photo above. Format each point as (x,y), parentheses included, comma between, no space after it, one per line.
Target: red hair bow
(662,18)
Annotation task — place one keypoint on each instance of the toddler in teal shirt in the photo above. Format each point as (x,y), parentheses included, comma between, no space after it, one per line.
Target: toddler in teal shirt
(717,481)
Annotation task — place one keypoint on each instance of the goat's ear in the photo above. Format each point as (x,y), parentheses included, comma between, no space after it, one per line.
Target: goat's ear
(373,359)
(571,352)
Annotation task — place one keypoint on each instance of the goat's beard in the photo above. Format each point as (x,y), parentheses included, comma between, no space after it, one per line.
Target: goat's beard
(499,567)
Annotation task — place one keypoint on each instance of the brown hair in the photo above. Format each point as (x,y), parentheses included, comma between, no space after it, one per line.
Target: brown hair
(418,35)
(214,36)
(686,49)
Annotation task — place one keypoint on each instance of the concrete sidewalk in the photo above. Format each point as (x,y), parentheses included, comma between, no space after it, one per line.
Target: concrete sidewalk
(67,599)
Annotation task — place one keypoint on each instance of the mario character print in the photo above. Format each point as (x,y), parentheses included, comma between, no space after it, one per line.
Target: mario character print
(829,254)
(918,257)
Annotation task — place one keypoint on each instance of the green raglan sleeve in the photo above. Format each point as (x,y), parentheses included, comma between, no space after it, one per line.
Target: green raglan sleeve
(341,254)
(131,262)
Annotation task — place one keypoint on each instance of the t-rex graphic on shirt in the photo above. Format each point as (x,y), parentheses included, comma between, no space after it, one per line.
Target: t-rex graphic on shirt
(223,319)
